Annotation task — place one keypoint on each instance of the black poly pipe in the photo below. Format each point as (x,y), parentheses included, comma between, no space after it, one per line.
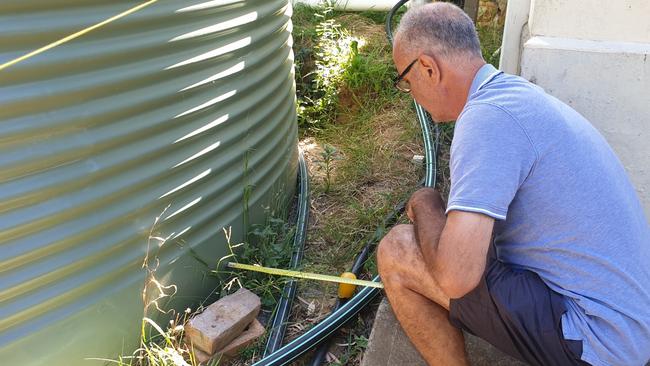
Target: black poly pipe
(282,310)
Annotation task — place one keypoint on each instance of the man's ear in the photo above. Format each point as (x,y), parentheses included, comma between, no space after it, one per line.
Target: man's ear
(430,67)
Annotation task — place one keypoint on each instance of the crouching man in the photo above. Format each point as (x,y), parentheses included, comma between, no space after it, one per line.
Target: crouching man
(543,248)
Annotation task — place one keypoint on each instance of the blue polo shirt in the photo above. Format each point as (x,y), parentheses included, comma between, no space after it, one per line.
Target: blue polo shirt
(564,209)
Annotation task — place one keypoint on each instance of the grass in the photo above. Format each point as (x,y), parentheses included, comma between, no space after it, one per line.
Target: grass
(374,133)
(490,37)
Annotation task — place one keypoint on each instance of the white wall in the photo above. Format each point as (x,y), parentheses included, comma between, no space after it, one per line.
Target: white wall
(595,56)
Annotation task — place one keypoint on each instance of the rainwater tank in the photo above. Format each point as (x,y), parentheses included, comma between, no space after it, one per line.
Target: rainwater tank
(182,111)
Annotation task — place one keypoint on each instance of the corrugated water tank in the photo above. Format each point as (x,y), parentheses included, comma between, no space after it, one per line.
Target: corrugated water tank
(184,110)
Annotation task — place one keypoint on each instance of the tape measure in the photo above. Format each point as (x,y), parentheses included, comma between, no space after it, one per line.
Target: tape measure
(305,275)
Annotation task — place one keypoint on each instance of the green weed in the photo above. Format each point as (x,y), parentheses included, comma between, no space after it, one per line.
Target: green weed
(269,245)
(369,73)
(326,53)
(246,194)
(354,349)
(328,156)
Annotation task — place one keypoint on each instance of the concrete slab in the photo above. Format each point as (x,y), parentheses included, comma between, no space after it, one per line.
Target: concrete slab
(389,346)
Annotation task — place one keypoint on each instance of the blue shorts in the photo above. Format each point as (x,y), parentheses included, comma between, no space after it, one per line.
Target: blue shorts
(516,312)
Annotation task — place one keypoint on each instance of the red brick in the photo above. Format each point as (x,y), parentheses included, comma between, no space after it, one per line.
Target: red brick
(222,321)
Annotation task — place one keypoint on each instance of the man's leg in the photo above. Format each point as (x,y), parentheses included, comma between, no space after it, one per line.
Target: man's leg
(419,304)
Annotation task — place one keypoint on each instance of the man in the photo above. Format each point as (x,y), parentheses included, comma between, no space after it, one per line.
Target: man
(544,250)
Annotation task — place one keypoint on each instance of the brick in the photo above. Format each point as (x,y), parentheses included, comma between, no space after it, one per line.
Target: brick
(254,331)
(222,321)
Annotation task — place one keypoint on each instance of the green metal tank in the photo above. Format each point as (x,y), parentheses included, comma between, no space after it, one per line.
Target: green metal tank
(171,112)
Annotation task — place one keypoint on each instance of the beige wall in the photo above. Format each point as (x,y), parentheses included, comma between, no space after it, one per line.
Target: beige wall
(617,21)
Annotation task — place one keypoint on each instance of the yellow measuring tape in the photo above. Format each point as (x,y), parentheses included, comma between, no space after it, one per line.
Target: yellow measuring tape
(75,35)
(305,275)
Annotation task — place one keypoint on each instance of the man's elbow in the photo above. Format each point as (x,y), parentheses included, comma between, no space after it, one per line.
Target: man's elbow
(457,286)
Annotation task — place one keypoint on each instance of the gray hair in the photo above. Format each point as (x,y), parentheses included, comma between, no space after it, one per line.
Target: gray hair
(441,28)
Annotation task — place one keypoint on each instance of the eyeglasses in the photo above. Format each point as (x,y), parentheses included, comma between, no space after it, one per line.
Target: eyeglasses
(400,83)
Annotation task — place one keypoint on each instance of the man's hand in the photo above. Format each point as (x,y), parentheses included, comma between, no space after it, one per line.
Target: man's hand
(426,210)
(424,199)
(454,247)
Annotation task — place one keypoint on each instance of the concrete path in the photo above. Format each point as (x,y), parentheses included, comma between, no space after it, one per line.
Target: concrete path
(389,346)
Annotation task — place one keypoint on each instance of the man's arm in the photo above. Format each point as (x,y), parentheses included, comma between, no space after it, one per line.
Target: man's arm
(456,257)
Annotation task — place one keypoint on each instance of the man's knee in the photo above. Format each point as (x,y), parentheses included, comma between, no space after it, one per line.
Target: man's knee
(401,266)
(393,247)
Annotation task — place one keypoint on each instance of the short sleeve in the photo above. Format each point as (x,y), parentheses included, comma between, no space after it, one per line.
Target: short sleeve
(491,157)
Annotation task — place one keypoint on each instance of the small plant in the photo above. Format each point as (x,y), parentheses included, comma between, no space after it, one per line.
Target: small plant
(269,245)
(356,346)
(369,74)
(246,194)
(328,156)
(320,67)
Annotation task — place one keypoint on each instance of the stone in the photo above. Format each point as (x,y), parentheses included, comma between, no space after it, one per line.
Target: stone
(222,321)
(204,359)
(388,345)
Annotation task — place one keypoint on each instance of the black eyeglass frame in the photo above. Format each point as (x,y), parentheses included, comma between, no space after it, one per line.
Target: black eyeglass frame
(399,78)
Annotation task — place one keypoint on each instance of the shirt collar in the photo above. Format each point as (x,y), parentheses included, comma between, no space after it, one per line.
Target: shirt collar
(483,75)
